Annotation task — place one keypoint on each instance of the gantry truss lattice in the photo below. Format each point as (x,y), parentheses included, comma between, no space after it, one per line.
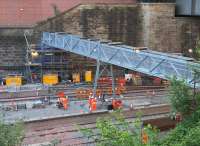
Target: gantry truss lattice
(146,61)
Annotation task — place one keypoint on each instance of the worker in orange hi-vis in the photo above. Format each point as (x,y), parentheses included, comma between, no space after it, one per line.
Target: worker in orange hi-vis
(145,137)
(65,102)
(90,99)
(93,105)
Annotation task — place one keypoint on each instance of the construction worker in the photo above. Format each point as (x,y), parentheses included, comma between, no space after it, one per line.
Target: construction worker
(90,98)
(62,100)
(92,103)
(145,137)
(65,102)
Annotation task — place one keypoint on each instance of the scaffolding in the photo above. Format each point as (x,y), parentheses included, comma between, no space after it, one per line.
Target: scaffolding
(42,60)
(52,61)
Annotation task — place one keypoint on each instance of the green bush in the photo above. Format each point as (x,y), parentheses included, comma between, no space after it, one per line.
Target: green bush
(183,136)
(11,134)
(180,96)
(116,131)
(186,133)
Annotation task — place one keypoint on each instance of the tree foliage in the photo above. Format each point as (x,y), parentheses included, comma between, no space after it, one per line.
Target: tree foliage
(116,131)
(11,134)
(186,133)
(183,100)
(180,96)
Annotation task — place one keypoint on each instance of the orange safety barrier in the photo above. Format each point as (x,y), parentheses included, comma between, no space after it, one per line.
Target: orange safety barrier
(118,90)
(82,93)
(98,92)
(121,81)
(108,80)
(109,91)
(105,80)
(85,93)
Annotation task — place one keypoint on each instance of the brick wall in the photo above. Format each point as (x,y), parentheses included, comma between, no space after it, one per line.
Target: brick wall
(106,22)
(98,21)
(145,24)
(153,25)
(12,51)
(12,47)
(188,32)
(164,32)
(24,13)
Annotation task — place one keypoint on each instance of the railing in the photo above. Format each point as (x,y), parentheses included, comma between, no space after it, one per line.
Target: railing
(28,87)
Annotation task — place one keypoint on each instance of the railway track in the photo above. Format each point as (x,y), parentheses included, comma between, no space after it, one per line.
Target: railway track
(65,130)
(71,93)
(128,96)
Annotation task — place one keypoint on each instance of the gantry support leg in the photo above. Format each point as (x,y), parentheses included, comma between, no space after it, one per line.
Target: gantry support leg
(96,78)
(113,80)
(98,74)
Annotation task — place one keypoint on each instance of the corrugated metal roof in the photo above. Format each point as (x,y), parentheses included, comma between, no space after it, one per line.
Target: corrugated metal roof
(25,13)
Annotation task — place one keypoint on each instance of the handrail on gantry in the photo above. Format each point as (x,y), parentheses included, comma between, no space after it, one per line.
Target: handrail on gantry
(162,65)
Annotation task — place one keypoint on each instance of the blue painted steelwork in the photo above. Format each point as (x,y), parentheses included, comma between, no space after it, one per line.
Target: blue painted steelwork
(96,78)
(153,63)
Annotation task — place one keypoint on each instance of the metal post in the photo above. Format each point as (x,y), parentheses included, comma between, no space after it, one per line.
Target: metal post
(96,78)
(28,49)
(113,81)
(194,90)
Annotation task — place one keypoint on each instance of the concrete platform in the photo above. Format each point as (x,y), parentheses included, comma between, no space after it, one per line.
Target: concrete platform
(75,108)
